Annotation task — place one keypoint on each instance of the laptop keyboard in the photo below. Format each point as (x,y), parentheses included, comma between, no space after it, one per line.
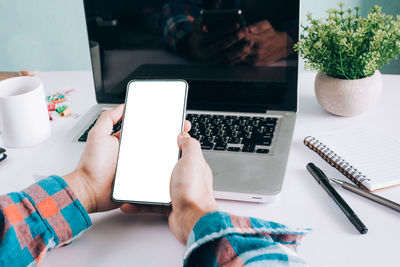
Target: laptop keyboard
(84,136)
(224,133)
(233,133)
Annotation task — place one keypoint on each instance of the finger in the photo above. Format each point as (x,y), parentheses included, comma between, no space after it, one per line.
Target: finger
(180,138)
(246,51)
(189,146)
(243,56)
(137,208)
(187,126)
(117,134)
(260,26)
(108,119)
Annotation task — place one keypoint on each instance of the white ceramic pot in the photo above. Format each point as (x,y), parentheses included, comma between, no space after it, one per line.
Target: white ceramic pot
(348,97)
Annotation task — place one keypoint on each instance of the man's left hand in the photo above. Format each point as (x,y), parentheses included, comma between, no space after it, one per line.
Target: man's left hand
(92,179)
(269,45)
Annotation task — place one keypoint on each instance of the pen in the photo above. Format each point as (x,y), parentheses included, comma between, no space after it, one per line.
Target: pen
(322,180)
(364,193)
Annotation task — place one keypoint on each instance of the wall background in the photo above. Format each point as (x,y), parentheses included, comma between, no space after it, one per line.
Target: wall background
(43,35)
(51,35)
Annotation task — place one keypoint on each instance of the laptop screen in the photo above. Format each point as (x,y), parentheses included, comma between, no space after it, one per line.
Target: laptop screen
(236,55)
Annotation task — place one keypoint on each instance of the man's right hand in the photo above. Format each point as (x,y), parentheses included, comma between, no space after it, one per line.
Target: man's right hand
(225,47)
(191,189)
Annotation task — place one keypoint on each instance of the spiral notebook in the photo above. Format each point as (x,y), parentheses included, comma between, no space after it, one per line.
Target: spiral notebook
(365,156)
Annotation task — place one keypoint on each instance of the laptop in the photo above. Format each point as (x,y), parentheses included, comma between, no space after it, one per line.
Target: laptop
(243,115)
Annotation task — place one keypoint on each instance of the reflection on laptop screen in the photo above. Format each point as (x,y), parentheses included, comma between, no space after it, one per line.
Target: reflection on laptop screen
(232,66)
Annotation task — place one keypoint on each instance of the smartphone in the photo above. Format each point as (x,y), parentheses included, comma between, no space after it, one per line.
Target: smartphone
(217,20)
(154,116)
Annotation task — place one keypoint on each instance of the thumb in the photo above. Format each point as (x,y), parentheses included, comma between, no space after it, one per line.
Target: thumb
(189,146)
(108,119)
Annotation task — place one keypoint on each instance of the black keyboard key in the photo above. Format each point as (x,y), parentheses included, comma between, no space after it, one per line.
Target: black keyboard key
(263,141)
(221,140)
(241,134)
(83,137)
(220,147)
(244,118)
(248,148)
(259,118)
(270,121)
(247,135)
(194,131)
(248,141)
(234,149)
(231,117)
(206,145)
(192,117)
(233,140)
(117,127)
(262,151)
(205,139)
(269,129)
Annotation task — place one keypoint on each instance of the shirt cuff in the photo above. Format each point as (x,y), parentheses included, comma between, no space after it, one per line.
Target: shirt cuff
(216,225)
(59,208)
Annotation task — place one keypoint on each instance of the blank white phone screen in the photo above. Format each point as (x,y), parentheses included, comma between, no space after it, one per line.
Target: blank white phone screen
(154,113)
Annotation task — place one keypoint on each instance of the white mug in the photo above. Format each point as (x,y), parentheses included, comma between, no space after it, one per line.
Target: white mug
(24,119)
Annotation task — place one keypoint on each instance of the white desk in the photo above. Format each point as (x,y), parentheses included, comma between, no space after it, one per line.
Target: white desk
(116,239)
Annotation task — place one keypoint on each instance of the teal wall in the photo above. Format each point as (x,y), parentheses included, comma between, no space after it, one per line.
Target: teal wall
(43,35)
(50,34)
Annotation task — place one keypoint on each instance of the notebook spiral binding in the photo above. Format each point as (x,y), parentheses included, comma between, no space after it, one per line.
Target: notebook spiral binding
(336,161)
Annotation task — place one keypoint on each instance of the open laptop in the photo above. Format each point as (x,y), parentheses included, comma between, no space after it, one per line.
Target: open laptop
(244,116)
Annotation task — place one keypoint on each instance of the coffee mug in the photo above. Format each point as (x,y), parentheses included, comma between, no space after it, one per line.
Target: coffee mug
(24,119)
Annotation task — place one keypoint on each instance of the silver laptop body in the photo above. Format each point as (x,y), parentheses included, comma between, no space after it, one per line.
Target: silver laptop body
(255,177)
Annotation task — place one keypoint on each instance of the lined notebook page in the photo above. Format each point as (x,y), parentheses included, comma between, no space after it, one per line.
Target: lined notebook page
(373,154)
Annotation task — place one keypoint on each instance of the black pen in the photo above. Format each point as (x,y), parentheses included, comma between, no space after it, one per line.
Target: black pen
(321,178)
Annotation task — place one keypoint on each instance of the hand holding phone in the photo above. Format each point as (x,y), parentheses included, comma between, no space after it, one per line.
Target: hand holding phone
(218,38)
(154,115)
(191,189)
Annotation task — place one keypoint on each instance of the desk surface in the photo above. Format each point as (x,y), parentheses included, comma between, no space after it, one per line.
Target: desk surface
(133,240)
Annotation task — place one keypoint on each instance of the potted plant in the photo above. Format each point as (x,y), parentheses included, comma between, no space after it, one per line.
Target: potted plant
(347,50)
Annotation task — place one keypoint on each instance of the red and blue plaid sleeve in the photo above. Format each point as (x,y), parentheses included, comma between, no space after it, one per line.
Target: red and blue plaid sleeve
(177,18)
(220,239)
(43,216)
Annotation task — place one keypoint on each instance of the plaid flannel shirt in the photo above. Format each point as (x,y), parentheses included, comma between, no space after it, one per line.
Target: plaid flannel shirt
(221,239)
(48,214)
(43,216)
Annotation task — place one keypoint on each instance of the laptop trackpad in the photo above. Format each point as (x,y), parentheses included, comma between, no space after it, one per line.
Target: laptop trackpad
(245,173)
